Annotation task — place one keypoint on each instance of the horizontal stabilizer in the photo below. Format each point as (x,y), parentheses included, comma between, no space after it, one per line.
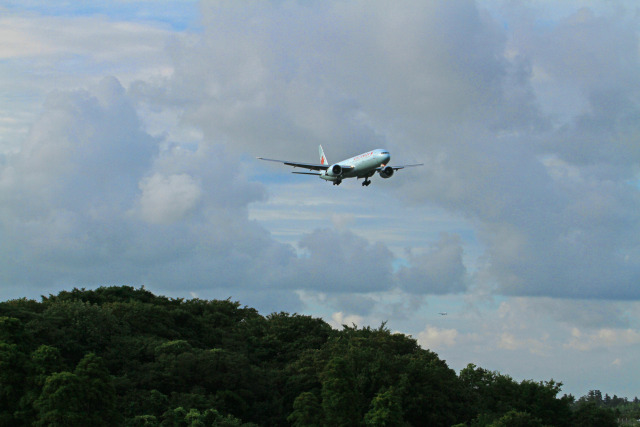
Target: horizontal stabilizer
(311,166)
(395,168)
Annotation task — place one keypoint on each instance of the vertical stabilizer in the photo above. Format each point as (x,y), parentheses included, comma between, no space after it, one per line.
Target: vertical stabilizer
(323,158)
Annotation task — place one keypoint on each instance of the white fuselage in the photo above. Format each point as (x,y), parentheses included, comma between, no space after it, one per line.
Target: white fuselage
(361,166)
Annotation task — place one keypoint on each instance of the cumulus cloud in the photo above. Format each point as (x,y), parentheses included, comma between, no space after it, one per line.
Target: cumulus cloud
(93,198)
(441,270)
(337,261)
(433,337)
(605,337)
(168,199)
(509,341)
(34,37)
(340,319)
(460,93)
(87,165)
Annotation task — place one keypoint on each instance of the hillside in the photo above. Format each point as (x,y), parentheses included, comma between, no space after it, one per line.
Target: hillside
(124,356)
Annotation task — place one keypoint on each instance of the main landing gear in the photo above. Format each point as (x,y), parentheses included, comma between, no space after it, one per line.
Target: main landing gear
(366,182)
(337,182)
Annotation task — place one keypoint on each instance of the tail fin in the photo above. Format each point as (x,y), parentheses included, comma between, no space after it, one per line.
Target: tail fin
(323,158)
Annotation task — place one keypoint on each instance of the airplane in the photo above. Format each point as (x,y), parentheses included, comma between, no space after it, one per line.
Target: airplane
(364,165)
(443,313)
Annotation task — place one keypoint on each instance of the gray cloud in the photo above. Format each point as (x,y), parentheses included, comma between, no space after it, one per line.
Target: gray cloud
(342,262)
(90,199)
(446,83)
(94,199)
(552,197)
(439,271)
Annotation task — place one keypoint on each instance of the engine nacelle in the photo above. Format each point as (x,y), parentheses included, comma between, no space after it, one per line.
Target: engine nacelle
(386,172)
(335,170)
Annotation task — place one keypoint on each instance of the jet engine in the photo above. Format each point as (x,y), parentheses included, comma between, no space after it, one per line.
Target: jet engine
(386,172)
(335,170)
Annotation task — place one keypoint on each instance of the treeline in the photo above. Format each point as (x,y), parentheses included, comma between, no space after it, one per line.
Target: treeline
(124,356)
(626,412)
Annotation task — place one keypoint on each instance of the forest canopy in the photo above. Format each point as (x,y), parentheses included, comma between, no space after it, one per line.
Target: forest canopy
(124,356)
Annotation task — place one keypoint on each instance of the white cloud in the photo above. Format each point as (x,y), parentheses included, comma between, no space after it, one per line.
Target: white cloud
(103,40)
(342,262)
(605,337)
(433,337)
(439,271)
(338,319)
(538,346)
(168,199)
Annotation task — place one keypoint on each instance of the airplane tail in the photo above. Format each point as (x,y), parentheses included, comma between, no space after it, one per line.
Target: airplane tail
(323,158)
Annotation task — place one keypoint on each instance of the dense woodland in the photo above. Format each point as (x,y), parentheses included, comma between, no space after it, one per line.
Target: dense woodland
(124,356)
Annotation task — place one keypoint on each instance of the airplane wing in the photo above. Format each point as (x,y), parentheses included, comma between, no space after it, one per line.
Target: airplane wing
(310,166)
(395,168)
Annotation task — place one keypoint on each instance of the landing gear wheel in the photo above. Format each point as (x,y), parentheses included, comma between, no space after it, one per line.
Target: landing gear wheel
(366,183)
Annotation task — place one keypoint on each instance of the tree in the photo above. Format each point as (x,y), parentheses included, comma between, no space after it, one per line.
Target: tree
(60,403)
(341,400)
(517,419)
(385,410)
(85,397)
(306,411)
(98,390)
(143,421)
(430,390)
(12,379)
(123,356)
(490,395)
(43,362)
(589,414)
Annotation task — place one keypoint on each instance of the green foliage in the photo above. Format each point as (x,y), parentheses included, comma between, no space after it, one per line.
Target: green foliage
(12,374)
(124,356)
(385,410)
(491,395)
(60,403)
(517,419)
(85,397)
(341,400)
(306,411)
(589,414)
(11,329)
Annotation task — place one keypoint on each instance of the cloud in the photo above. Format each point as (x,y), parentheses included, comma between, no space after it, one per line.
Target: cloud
(86,149)
(569,313)
(92,198)
(69,194)
(35,37)
(168,199)
(439,271)
(462,94)
(539,346)
(337,261)
(550,197)
(603,338)
(433,337)
(339,319)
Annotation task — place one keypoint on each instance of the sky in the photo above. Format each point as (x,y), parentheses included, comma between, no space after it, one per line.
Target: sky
(129,132)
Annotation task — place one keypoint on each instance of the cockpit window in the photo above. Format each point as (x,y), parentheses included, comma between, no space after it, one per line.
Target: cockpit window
(385,152)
